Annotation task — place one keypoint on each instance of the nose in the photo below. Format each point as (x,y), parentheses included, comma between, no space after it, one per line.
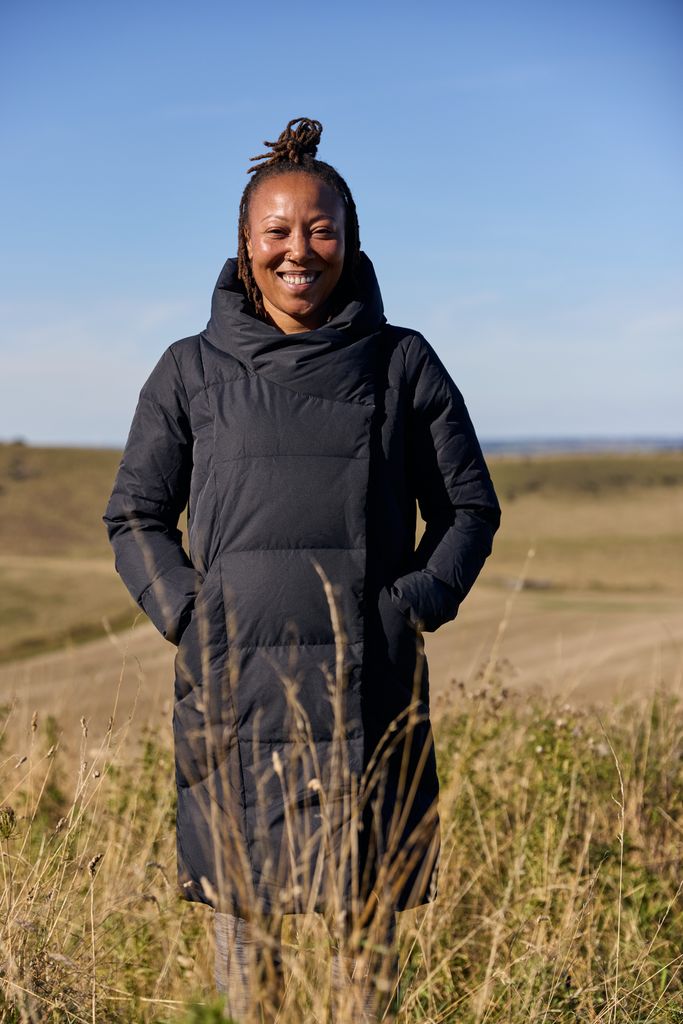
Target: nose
(299,247)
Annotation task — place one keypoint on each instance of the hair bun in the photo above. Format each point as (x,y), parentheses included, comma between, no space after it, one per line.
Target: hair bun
(299,139)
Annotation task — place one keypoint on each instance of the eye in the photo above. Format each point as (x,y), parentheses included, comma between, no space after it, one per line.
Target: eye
(275,231)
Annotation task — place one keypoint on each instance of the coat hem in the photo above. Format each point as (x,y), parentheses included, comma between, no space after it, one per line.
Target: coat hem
(192,892)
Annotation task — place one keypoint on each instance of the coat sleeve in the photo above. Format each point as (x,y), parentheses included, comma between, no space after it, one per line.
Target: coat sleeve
(150,491)
(454,492)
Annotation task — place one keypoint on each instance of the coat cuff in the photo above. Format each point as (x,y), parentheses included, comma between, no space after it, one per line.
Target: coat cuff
(168,600)
(425,600)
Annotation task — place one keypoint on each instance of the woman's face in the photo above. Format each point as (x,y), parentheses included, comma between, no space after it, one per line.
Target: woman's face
(295,241)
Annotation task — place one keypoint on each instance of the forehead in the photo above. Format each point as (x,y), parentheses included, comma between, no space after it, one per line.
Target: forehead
(294,194)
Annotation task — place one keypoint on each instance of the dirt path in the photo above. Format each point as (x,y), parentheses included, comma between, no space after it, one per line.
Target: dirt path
(585,646)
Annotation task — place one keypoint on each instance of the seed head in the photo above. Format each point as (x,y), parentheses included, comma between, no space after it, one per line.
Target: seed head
(92,866)
(8,821)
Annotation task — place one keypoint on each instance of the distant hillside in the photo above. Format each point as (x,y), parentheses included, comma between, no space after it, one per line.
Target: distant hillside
(582,474)
(597,521)
(52,500)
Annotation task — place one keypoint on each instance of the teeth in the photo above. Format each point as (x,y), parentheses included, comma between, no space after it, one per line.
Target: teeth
(299,278)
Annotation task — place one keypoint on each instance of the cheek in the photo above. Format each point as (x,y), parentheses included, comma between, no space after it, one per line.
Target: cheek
(341,254)
(259,264)
(335,258)
(266,252)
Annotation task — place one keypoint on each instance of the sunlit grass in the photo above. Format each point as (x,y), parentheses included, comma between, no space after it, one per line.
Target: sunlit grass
(559,895)
(561,865)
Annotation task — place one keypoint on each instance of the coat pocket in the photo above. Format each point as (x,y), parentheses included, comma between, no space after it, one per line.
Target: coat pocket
(188,615)
(402,654)
(198,631)
(396,622)
(198,727)
(425,599)
(191,738)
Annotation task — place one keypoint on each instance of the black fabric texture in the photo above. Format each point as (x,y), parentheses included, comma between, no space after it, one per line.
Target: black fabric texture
(299,603)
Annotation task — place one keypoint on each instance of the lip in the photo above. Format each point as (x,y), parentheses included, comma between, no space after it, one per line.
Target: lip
(304,286)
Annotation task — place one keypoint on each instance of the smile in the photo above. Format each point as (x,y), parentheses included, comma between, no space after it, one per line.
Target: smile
(299,279)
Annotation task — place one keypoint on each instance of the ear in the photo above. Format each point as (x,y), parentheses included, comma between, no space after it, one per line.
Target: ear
(248,243)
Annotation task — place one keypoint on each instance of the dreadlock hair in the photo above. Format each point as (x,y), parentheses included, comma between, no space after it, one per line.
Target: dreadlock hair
(294,151)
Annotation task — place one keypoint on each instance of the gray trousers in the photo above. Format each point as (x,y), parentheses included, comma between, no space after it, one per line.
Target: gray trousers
(247,964)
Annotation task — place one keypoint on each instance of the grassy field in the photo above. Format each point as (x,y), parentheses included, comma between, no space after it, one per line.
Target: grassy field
(560,879)
(561,808)
(598,523)
(56,570)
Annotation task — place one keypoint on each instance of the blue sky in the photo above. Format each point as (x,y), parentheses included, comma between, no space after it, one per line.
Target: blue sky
(517,167)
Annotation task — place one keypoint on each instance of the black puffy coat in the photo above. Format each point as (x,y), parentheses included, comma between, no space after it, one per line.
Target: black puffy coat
(299,610)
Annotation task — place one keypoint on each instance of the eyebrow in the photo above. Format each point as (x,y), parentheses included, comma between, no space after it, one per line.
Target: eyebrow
(317,216)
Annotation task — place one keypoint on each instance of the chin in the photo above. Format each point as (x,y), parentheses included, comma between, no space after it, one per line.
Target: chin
(304,309)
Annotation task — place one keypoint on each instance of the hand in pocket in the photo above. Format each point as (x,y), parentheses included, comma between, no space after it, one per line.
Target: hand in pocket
(399,631)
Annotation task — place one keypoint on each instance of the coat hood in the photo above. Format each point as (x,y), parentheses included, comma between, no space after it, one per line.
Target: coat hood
(334,360)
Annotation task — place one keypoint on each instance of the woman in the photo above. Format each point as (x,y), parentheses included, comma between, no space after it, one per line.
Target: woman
(300,427)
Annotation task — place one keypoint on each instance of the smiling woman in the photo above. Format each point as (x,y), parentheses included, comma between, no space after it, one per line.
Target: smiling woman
(295,243)
(300,428)
(297,215)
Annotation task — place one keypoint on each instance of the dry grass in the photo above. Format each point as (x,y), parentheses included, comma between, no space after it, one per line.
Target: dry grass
(560,874)
(598,522)
(49,604)
(601,523)
(559,888)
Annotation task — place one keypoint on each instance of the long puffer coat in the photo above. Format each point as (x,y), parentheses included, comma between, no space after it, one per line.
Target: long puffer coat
(305,764)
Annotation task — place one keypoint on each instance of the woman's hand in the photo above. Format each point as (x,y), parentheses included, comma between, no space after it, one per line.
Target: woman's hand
(425,600)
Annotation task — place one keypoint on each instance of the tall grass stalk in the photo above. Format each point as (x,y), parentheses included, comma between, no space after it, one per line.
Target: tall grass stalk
(560,872)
